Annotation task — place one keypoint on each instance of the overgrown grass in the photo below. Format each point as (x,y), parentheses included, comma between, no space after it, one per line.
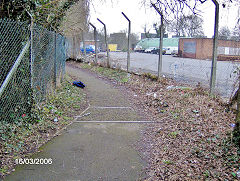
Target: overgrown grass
(23,138)
(114,74)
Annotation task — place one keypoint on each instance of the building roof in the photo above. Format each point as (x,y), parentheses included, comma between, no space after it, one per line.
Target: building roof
(154,42)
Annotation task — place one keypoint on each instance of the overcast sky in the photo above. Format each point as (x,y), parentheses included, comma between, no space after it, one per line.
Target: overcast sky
(110,13)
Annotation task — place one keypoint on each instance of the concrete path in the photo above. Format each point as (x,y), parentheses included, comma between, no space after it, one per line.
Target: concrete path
(92,151)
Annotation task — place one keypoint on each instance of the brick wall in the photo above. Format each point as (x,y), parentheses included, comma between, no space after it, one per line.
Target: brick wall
(204,48)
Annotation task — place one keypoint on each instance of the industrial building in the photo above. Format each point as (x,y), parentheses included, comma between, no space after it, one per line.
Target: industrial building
(154,42)
(202,48)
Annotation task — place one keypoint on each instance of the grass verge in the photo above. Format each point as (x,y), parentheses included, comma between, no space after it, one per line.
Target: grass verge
(23,138)
(113,74)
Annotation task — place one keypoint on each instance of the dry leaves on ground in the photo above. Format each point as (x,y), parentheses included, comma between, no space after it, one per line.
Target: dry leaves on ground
(190,140)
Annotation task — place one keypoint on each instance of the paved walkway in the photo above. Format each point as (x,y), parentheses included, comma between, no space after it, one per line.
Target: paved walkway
(96,150)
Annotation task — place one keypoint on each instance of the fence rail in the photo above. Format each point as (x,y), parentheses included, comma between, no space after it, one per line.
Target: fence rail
(27,71)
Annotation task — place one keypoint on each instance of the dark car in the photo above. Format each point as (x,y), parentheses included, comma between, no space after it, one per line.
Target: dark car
(156,51)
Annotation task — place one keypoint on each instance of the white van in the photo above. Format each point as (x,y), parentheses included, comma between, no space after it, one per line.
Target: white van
(171,50)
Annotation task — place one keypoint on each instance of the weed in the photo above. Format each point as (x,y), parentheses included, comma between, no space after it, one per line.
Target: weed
(114,74)
(20,135)
(174,134)
(206,174)
(168,162)
(150,76)
(124,80)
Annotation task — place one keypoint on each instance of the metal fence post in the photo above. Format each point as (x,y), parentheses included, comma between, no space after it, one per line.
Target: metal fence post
(160,42)
(160,60)
(215,46)
(31,61)
(106,42)
(84,47)
(74,48)
(55,60)
(95,39)
(31,53)
(63,63)
(14,68)
(129,32)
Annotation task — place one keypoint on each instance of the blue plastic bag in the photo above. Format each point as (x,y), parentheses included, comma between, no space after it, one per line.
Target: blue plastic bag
(79,84)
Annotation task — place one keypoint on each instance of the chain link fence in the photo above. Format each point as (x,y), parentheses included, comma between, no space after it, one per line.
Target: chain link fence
(32,62)
(75,47)
(74,44)
(48,57)
(185,70)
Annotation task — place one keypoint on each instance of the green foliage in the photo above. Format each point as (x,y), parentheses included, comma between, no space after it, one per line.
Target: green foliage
(230,157)
(86,66)
(17,10)
(168,162)
(206,174)
(16,99)
(174,134)
(236,138)
(21,136)
(48,13)
(150,76)
(124,80)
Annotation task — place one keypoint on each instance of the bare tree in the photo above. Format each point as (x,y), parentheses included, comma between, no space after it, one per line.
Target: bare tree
(190,25)
(176,8)
(147,31)
(176,27)
(133,39)
(156,27)
(76,19)
(194,26)
(120,39)
(224,33)
(236,30)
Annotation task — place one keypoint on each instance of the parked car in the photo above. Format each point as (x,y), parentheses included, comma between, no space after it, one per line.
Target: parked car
(171,50)
(156,51)
(138,49)
(89,49)
(168,51)
(174,52)
(149,50)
